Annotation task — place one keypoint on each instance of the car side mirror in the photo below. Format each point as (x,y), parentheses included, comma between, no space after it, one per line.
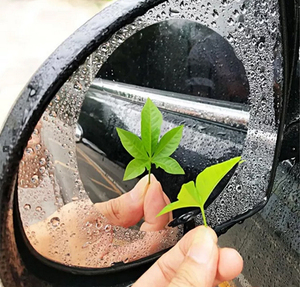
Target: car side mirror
(62,103)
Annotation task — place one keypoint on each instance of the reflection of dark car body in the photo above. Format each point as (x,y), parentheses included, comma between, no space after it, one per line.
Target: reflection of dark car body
(202,144)
(106,106)
(203,63)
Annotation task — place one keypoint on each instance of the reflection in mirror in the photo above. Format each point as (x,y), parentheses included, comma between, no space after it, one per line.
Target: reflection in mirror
(202,64)
(61,221)
(89,216)
(74,205)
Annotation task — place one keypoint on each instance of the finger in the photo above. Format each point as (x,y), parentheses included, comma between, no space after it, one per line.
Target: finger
(230,265)
(164,269)
(127,209)
(199,267)
(155,201)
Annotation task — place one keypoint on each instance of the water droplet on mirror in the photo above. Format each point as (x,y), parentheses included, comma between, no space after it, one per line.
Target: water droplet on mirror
(55,221)
(53,114)
(85,245)
(38,208)
(27,206)
(99,224)
(34,179)
(107,228)
(29,150)
(42,169)
(238,188)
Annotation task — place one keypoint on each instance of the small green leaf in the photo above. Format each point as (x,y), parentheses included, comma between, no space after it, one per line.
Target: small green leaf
(175,205)
(135,168)
(169,142)
(208,179)
(191,195)
(133,144)
(168,164)
(151,120)
(188,193)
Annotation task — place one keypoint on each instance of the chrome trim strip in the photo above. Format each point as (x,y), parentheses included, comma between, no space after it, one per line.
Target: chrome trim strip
(213,110)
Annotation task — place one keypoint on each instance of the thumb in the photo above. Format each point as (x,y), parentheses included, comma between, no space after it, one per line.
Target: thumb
(199,267)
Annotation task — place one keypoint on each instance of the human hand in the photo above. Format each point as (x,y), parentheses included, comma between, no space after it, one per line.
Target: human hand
(143,201)
(196,261)
(97,235)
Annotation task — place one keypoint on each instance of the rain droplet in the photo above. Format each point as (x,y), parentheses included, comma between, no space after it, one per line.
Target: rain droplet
(38,208)
(29,150)
(107,227)
(27,206)
(55,221)
(38,147)
(85,245)
(34,179)
(42,169)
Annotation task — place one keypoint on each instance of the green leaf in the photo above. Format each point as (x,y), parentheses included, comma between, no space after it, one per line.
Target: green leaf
(208,179)
(191,195)
(175,205)
(132,143)
(169,142)
(188,193)
(151,120)
(143,150)
(168,164)
(135,168)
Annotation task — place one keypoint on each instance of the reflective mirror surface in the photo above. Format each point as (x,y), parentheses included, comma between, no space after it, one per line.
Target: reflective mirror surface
(74,205)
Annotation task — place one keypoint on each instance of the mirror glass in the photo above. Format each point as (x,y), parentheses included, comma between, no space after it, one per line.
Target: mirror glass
(74,205)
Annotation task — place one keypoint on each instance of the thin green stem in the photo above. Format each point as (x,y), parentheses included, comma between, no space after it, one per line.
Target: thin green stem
(203,216)
(149,170)
(149,175)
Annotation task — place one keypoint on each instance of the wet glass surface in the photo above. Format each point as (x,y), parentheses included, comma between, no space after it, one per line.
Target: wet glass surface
(203,64)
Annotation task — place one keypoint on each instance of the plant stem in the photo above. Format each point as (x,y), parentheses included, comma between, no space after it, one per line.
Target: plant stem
(149,175)
(203,216)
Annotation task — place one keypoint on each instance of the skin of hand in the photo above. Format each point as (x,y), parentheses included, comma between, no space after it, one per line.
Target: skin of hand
(78,233)
(196,261)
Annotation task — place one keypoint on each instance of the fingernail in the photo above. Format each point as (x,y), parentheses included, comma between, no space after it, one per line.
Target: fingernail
(202,249)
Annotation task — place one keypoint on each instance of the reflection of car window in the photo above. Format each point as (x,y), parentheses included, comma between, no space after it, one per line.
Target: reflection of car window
(202,64)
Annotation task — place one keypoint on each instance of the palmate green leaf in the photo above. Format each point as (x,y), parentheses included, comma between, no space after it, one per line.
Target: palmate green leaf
(143,150)
(208,179)
(133,144)
(196,196)
(135,168)
(169,142)
(168,164)
(151,120)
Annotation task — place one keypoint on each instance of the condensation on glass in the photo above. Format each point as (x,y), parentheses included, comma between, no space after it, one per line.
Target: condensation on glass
(51,192)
